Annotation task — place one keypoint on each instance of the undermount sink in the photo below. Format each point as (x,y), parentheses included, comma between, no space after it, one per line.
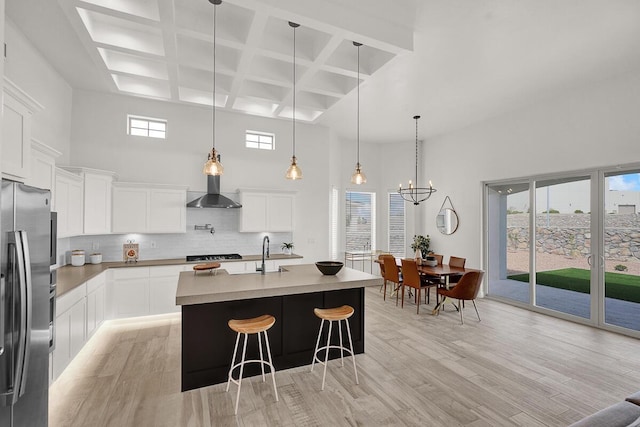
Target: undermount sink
(277,270)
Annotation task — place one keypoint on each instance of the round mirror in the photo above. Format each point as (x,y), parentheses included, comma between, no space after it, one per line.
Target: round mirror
(447,221)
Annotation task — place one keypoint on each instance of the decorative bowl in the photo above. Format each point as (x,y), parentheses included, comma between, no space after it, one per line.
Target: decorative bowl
(329,268)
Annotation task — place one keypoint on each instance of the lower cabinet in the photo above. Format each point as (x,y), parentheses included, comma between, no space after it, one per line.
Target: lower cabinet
(163,284)
(96,290)
(70,328)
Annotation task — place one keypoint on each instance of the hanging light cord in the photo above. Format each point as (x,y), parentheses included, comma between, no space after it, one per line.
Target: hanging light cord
(213,104)
(358,114)
(416,186)
(294,92)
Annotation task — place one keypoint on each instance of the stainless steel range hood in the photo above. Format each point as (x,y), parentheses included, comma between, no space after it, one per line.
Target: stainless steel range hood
(213,198)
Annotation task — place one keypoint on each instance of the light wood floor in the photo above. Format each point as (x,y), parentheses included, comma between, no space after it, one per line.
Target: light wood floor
(514,368)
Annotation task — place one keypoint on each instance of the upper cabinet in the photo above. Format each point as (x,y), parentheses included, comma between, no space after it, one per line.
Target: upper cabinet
(18,107)
(266,211)
(43,166)
(149,208)
(68,202)
(96,199)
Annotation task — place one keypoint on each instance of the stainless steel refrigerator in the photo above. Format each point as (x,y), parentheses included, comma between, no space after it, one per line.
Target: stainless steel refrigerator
(24,304)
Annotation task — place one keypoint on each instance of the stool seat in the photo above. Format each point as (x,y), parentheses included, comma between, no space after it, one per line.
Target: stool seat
(253,325)
(245,327)
(330,315)
(337,313)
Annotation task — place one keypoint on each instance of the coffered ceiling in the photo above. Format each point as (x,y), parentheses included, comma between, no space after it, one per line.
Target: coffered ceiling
(164,49)
(454,62)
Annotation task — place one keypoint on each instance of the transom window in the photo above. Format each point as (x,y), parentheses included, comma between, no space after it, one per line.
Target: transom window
(146,126)
(260,140)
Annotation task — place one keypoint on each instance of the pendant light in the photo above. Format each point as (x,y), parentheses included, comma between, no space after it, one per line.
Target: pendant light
(358,177)
(294,171)
(213,165)
(413,193)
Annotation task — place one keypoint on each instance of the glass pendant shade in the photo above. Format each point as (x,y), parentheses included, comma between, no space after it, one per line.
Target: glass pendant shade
(358,177)
(294,172)
(213,165)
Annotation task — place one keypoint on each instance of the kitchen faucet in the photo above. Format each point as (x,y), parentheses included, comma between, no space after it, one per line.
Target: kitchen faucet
(264,240)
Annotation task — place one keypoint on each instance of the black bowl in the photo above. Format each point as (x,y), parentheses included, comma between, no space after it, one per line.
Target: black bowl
(329,268)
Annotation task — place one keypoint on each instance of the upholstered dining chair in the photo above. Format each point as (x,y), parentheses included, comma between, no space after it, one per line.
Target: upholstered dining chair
(466,290)
(432,281)
(381,264)
(411,278)
(391,273)
(455,261)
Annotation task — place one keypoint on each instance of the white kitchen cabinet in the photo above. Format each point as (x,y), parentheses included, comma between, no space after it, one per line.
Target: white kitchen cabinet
(149,208)
(237,267)
(68,203)
(18,108)
(128,292)
(96,199)
(70,327)
(96,288)
(43,166)
(266,211)
(163,284)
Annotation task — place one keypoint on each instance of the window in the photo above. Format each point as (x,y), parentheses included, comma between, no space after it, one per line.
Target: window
(260,140)
(334,222)
(360,233)
(146,126)
(396,225)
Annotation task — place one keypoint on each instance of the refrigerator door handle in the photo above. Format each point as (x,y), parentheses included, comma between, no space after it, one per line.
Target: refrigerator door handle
(2,314)
(24,341)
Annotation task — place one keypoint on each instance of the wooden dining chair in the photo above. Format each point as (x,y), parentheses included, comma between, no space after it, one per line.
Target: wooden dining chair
(391,273)
(466,290)
(411,278)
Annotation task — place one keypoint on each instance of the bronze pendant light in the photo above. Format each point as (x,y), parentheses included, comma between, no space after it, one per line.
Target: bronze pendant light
(294,172)
(358,176)
(213,165)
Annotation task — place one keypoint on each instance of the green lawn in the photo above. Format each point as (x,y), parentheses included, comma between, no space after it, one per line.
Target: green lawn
(624,287)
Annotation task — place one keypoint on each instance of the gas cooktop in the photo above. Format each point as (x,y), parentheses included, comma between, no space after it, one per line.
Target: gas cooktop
(215,257)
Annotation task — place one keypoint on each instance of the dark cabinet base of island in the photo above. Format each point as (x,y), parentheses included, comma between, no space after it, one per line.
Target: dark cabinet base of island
(207,341)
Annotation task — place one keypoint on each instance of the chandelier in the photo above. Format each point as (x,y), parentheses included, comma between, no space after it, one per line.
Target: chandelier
(413,193)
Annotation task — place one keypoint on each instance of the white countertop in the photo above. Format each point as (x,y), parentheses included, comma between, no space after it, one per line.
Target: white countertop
(204,287)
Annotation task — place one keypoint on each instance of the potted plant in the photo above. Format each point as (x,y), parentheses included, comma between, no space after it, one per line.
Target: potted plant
(421,243)
(287,248)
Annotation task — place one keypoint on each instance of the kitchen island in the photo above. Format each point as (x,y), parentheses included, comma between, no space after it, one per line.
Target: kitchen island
(208,301)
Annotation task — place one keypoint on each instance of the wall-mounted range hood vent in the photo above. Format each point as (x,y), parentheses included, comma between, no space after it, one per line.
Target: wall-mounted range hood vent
(213,198)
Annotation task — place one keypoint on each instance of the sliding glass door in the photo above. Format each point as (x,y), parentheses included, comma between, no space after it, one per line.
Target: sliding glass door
(584,258)
(563,245)
(621,250)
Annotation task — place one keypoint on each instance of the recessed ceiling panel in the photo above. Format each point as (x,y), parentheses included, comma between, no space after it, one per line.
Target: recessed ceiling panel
(142,8)
(315,101)
(278,37)
(255,106)
(132,64)
(202,97)
(233,21)
(263,91)
(199,54)
(331,83)
(203,80)
(304,114)
(371,59)
(144,87)
(109,30)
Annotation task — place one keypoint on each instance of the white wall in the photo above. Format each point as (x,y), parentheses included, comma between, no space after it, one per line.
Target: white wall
(587,128)
(99,140)
(26,67)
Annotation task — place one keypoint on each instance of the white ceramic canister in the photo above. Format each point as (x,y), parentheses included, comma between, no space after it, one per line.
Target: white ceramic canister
(95,258)
(77,258)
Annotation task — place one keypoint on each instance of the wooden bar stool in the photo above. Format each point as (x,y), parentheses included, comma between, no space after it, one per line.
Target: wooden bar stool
(331,315)
(245,327)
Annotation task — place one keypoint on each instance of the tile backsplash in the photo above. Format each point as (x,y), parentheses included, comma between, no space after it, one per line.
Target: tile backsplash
(225,239)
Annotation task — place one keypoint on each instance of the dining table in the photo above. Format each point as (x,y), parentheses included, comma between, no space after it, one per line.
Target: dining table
(441,271)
